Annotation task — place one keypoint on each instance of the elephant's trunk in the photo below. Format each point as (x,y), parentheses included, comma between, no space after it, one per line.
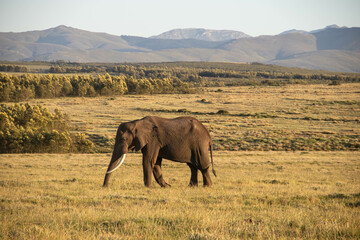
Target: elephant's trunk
(117,159)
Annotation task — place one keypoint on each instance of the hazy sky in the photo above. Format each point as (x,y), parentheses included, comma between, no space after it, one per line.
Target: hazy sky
(151,17)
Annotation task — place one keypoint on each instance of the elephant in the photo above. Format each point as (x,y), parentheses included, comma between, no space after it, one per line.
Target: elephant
(182,139)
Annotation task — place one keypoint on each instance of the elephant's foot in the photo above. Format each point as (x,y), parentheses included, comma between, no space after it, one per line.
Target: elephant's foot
(165,185)
(162,183)
(193,184)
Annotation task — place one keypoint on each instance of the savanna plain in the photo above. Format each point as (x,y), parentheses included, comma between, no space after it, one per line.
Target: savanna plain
(305,191)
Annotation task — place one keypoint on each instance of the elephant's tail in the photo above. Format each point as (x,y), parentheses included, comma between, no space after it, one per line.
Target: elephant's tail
(212,162)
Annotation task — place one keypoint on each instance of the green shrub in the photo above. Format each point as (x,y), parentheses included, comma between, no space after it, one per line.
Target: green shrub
(82,144)
(33,129)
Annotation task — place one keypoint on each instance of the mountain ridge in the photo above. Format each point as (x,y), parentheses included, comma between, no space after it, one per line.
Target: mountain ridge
(332,48)
(201,34)
(333,26)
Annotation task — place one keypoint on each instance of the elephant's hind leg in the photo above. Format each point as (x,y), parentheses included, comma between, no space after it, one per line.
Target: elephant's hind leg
(158,174)
(206,177)
(194,176)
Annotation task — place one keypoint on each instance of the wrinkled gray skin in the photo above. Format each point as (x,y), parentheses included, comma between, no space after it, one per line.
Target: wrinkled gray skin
(182,139)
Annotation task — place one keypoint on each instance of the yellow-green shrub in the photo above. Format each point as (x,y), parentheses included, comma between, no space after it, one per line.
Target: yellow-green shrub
(28,86)
(33,129)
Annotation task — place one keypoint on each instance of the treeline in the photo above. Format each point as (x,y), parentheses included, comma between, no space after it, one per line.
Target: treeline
(33,129)
(137,72)
(28,86)
(207,74)
(76,79)
(13,68)
(77,69)
(276,75)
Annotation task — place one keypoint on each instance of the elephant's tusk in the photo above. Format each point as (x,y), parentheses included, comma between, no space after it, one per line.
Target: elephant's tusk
(118,165)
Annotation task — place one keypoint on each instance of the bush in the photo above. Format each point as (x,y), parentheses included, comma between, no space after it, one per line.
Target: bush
(82,144)
(223,112)
(335,83)
(33,129)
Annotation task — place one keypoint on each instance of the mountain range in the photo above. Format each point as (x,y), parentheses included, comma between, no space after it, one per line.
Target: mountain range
(202,34)
(332,48)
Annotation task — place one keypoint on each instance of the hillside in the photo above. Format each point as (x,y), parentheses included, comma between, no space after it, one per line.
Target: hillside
(334,49)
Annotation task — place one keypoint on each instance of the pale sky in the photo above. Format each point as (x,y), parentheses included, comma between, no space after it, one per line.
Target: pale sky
(152,17)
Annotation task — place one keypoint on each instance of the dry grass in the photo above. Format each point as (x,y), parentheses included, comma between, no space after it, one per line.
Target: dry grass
(258,195)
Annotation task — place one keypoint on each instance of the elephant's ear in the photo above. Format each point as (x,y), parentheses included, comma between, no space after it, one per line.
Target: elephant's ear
(143,133)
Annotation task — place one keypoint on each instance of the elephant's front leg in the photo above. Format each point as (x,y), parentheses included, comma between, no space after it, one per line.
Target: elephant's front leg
(149,157)
(158,174)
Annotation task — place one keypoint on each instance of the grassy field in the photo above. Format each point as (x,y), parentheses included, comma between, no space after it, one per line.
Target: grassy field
(291,117)
(257,195)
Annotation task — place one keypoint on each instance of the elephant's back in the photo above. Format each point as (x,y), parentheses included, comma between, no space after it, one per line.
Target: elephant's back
(185,126)
(195,126)
(195,131)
